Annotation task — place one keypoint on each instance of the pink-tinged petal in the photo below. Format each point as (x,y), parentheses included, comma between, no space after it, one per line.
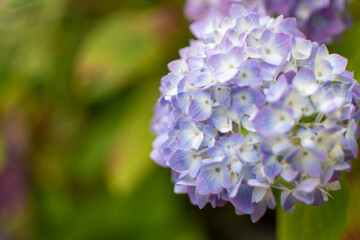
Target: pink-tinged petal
(308,185)
(271,121)
(305,82)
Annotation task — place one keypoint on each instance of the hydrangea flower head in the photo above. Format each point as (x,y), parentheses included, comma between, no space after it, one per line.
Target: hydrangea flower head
(252,101)
(320,20)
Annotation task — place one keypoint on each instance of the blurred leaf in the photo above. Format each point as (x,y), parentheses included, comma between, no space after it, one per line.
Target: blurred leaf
(352,230)
(121,47)
(315,222)
(128,160)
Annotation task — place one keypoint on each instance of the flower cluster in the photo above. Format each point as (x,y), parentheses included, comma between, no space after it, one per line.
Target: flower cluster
(252,102)
(320,20)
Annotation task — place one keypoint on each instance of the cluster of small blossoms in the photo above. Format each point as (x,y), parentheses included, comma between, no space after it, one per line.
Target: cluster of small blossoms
(252,101)
(320,20)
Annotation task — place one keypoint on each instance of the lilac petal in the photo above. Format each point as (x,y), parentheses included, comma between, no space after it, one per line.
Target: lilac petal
(216,153)
(211,178)
(222,95)
(195,63)
(305,82)
(222,124)
(218,62)
(236,56)
(258,194)
(259,211)
(209,137)
(191,194)
(338,63)
(328,173)
(201,199)
(306,198)
(267,37)
(185,180)
(169,84)
(189,139)
(274,46)
(194,167)
(200,107)
(178,66)
(249,74)
(287,200)
(288,26)
(277,90)
(270,200)
(242,200)
(300,48)
(272,168)
(181,160)
(288,174)
(270,121)
(236,188)
(306,161)
(275,145)
(318,198)
(181,101)
(246,96)
(308,185)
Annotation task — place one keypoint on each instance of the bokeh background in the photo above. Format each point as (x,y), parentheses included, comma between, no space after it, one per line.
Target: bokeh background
(78,81)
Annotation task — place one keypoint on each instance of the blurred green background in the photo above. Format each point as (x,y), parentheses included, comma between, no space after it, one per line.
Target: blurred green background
(78,81)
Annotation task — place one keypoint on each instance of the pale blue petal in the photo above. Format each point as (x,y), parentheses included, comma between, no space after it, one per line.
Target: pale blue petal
(222,124)
(305,82)
(242,200)
(200,107)
(308,185)
(270,121)
(258,212)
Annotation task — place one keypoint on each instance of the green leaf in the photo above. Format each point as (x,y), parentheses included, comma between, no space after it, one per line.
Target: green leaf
(128,160)
(119,50)
(315,222)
